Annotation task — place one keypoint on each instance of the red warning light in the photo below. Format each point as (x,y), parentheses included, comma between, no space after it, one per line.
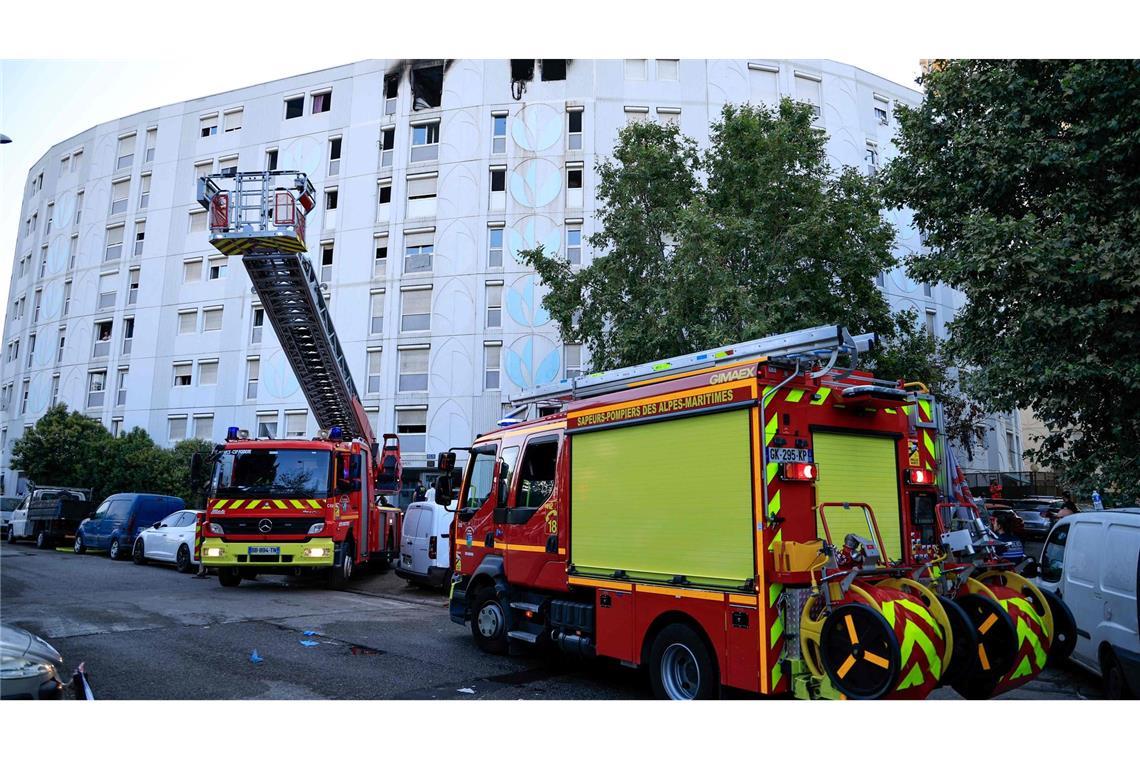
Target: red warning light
(801,471)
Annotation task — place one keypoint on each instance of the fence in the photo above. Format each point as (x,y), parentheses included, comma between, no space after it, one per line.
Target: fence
(1015,485)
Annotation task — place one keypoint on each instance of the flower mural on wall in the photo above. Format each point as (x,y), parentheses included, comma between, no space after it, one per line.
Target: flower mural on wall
(520,357)
(537,127)
(532,231)
(535,183)
(524,303)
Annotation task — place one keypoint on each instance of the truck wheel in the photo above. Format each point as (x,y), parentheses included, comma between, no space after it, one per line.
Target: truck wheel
(138,554)
(1115,685)
(681,665)
(342,570)
(489,621)
(229,576)
(42,540)
(79,546)
(182,561)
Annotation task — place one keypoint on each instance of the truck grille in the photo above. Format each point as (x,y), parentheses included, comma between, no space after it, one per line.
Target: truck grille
(281,526)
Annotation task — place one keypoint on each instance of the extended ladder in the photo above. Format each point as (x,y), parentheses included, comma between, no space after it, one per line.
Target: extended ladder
(266,227)
(824,345)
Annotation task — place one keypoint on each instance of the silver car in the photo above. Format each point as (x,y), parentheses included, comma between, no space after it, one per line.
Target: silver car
(31,668)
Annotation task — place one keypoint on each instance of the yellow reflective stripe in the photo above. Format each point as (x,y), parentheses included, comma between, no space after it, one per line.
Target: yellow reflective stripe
(823,393)
(890,411)
(888,610)
(709,595)
(925,407)
(794,395)
(776,671)
(928,442)
(613,585)
(220,504)
(774,593)
(913,678)
(912,635)
(774,504)
(773,468)
(918,609)
(770,430)
(746,601)
(1023,669)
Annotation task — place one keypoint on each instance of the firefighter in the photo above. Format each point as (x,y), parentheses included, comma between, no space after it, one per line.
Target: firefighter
(995,488)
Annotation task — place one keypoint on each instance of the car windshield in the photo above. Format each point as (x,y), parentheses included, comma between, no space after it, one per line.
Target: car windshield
(276,472)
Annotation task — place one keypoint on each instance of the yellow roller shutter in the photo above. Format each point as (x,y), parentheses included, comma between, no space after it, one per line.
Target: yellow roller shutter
(859,468)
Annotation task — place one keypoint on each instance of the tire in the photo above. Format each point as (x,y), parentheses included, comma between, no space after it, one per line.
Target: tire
(42,540)
(79,546)
(115,550)
(11,535)
(138,553)
(229,577)
(182,561)
(681,666)
(1115,684)
(341,572)
(490,621)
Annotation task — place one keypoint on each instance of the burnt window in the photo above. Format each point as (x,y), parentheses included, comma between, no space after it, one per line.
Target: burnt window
(427,86)
(522,69)
(553,69)
(391,92)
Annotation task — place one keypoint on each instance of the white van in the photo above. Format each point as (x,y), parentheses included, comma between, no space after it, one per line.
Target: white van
(425,548)
(1092,561)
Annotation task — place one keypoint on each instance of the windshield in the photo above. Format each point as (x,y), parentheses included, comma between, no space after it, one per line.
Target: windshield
(283,472)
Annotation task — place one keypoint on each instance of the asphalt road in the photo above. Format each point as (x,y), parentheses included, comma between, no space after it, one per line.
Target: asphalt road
(151,633)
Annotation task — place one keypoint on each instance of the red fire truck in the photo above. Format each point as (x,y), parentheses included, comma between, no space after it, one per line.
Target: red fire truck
(290,506)
(757,516)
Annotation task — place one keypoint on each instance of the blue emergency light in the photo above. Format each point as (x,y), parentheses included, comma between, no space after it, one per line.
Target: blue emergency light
(231,433)
(335,433)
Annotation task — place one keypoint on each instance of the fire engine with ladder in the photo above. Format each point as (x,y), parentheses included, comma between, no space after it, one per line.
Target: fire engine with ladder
(763,516)
(294,506)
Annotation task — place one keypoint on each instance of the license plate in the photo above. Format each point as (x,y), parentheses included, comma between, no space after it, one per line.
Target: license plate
(264,550)
(789,455)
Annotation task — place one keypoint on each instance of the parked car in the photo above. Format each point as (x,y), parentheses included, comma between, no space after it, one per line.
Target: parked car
(50,515)
(425,549)
(120,518)
(8,505)
(1034,523)
(1092,561)
(171,539)
(31,668)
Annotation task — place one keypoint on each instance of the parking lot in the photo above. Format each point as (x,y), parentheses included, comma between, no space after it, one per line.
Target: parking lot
(152,633)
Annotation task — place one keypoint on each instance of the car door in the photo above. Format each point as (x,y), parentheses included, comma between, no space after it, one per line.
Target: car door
(1118,621)
(1082,571)
(95,532)
(183,533)
(412,519)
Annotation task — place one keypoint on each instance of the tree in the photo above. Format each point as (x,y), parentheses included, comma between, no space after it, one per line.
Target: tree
(770,240)
(1023,176)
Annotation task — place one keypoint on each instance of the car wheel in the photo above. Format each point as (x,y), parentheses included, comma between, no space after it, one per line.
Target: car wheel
(11,536)
(1115,685)
(79,546)
(116,550)
(182,560)
(138,554)
(681,665)
(489,621)
(42,540)
(229,576)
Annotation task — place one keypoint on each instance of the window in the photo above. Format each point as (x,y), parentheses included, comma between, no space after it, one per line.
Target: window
(76,159)
(498,133)
(495,247)
(387,145)
(208,372)
(574,185)
(332,201)
(295,107)
(176,428)
(227,164)
(54,399)
(295,424)
(667,69)
(144,191)
(151,140)
(96,387)
(216,269)
(121,386)
(635,68)
(204,427)
(636,114)
(326,262)
(522,69)
(411,426)
(376,326)
(64,164)
(425,142)
(271,160)
(198,221)
(322,101)
(13,351)
(114,246)
(808,91)
(183,373)
(930,314)
(133,286)
(128,335)
(119,192)
(78,206)
(334,156)
(125,155)
(669,116)
(252,371)
(574,129)
(208,125)
(201,169)
(419,246)
(140,236)
(881,115)
(1053,558)
(427,86)
(258,320)
(421,195)
(927,290)
(384,201)
(192,270)
(491,352)
(871,158)
(553,69)
(232,120)
(536,473)
(572,360)
(380,261)
(494,304)
(212,319)
(50,217)
(373,373)
(66,297)
(267,424)
(391,92)
(39,294)
(43,261)
(413,369)
(881,279)
(765,82)
(72,251)
(187,322)
(60,345)
(24,396)
(107,291)
(574,245)
(31,350)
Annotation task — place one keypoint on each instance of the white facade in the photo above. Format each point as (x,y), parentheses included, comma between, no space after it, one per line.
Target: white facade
(439,332)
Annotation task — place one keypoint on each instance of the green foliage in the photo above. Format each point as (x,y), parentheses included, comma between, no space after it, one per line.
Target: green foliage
(756,235)
(74,450)
(1024,176)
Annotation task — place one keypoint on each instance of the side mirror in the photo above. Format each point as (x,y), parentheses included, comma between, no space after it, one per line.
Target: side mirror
(196,467)
(158,525)
(443,490)
(446,462)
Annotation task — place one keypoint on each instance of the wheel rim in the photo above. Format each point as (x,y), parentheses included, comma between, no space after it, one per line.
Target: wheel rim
(680,673)
(490,620)
(139,550)
(78,543)
(347,566)
(114,551)
(183,556)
